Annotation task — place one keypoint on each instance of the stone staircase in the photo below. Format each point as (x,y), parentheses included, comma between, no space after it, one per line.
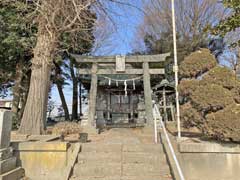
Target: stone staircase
(126,160)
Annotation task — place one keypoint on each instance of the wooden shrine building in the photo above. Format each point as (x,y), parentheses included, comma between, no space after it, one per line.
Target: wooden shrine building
(120,87)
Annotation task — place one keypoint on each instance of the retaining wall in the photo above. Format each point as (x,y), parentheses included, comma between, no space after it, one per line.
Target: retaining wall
(205,160)
(46,160)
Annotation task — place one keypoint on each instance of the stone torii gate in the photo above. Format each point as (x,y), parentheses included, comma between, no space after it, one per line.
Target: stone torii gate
(120,69)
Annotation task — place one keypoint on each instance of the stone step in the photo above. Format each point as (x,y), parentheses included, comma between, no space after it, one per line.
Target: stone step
(136,157)
(150,148)
(102,157)
(125,157)
(118,148)
(15,174)
(122,155)
(97,169)
(125,125)
(7,165)
(123,140)
(136,169)
(97,178)
(100,147)
(167,177)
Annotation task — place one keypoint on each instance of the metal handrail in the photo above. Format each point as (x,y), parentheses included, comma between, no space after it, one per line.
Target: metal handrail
(157,113)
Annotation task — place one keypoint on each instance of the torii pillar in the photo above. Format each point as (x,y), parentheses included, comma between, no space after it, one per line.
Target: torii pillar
(93,96)
(147,93)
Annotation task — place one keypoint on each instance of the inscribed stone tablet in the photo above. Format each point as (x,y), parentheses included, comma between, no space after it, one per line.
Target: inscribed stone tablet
(5,128)
(120,63)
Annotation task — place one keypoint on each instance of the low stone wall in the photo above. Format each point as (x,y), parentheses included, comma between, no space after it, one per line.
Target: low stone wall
(210,161)
(46,160)
(205,160)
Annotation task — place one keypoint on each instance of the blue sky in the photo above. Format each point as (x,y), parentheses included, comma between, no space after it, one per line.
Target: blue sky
(125,20)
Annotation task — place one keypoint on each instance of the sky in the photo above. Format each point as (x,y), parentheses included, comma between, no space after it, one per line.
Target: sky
(125,22)
(126,26)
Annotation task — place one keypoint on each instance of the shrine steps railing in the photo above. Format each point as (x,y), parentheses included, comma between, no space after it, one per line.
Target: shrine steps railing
(158,117)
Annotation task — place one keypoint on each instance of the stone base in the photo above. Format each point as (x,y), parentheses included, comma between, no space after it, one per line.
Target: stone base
(84,122)
(90,129)
(7,165)
(15,174)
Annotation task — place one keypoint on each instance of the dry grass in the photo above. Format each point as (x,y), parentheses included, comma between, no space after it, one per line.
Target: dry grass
(66,128)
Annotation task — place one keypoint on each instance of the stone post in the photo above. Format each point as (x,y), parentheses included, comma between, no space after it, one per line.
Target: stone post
(8,170)
(147,93)
(5,128)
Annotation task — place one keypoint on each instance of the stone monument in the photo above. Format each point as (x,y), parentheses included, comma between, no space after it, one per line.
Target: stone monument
(8,169)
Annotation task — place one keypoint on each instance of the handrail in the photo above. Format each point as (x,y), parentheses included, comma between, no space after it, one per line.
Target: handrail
(155,128)
(157,113)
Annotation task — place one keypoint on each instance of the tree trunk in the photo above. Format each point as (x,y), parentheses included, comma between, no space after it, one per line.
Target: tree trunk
(24,93)
(59,81)
(64,104)
(16,92)
(34,116)
(75,94)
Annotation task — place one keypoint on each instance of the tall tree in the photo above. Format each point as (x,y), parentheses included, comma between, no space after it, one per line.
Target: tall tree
(53,18)
(75,91)
(16,42)
(59,80)
(229,29)
(231,23)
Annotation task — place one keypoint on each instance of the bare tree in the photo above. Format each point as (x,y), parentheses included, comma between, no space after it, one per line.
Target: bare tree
(104,30)
(50,107)
(192,18)
(231,56)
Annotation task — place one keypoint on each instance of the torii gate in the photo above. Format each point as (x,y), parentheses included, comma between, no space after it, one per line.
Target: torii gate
(119,62)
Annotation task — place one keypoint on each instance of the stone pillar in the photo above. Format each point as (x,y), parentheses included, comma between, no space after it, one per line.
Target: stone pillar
(8,170)
(147,94)
(93,96)
(108,105)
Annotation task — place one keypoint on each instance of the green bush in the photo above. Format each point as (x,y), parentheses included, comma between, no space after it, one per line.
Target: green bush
(224,125)
(211,98)
(223,77)
(190,117)
(186,87)
(197,64)
(211,101)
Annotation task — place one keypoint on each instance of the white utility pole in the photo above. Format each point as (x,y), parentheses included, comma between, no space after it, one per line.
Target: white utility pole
(175,68)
